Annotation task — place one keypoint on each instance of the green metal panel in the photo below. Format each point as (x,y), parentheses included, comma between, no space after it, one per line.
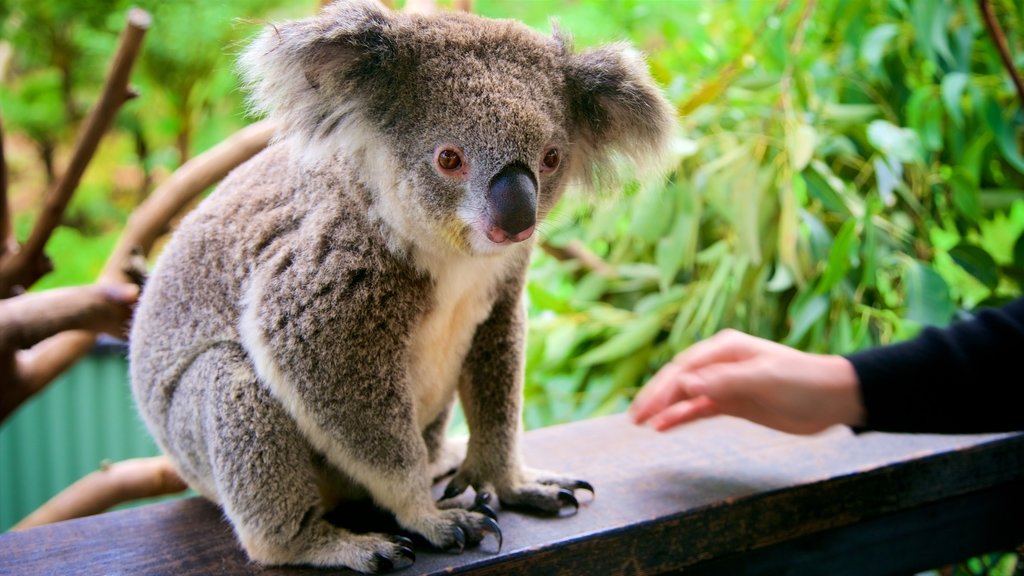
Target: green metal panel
(83,418)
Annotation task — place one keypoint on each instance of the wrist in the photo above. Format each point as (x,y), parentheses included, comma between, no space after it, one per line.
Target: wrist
(845,388)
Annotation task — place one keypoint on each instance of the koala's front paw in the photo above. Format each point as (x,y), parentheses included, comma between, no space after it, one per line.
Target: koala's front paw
(452,530)
(537,490)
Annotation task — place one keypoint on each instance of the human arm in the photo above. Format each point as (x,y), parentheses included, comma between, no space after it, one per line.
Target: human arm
(959,379)
(765,382)
(956,379)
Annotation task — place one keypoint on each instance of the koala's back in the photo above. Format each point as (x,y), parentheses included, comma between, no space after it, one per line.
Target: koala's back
(196,295)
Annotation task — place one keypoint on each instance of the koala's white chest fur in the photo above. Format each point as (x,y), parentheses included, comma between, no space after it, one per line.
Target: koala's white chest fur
(462,298)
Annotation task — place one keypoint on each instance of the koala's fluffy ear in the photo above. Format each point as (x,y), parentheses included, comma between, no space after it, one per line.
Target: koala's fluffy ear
(311,73)
(618,113)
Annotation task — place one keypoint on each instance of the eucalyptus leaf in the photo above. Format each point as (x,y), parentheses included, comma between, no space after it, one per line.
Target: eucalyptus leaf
(953,85)
(804,314)
(899,143)
(966,196)
(1004,132)
(636,334)
(977,262)
(876,43)
(927,295)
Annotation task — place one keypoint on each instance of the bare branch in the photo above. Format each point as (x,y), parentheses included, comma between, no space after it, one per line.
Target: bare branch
(29,319)
(45,361)
(5,207)
(21,269)
(153,217)
(995,31)
(577,251)
(113,484)
(32,317)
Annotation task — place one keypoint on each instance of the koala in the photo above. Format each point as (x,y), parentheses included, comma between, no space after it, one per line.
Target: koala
(309,326)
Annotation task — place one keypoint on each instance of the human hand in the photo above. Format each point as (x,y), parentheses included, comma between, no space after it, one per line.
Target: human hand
(762,381)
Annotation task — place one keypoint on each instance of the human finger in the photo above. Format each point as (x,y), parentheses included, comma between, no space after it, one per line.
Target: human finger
(684,412)
(663,390)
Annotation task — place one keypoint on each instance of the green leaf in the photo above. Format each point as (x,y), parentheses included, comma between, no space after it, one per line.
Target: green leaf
(926,295)
(802,140)
(559,343)
(966,196)
(671,252)
(977,262)
(891,140)
(804,314)
(1003,129)
(634,335)
(953,85)
(876,42)
(854,114)
(1018,251)
(839,261)
(888,176)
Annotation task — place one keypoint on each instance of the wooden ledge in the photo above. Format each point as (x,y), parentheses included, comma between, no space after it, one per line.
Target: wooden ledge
(722,496)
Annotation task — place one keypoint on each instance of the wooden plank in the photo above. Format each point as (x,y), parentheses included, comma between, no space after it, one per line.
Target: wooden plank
(708,492)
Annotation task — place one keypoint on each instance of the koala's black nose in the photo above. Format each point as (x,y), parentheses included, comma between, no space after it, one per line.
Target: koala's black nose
(512,203)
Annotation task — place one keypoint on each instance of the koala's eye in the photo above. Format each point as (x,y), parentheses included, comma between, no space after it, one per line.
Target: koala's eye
(550,160)
(449,159)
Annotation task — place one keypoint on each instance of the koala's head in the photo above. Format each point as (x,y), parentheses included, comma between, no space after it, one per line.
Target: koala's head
(466,129)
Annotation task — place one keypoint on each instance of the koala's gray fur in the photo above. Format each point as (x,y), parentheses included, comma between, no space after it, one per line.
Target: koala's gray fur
(305,332)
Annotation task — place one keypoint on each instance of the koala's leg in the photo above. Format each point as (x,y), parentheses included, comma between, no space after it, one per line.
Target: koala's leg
(490,389)
(265,477)
(444,455)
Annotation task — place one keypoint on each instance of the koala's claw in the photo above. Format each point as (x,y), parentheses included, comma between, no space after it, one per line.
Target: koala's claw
(490,525)
(584,485)
(567,498)
(485,510)
(482,505)
(402,541)
(454,489)
(404,558)
(460,540)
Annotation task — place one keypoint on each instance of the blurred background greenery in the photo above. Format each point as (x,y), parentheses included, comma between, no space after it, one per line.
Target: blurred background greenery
(846,170)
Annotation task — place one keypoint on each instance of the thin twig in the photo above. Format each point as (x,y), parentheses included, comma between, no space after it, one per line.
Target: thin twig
(22,269)
(5,208)
(999,39)
(576,251)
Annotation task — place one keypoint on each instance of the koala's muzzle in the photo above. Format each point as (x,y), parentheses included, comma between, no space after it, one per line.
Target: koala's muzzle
(512,204)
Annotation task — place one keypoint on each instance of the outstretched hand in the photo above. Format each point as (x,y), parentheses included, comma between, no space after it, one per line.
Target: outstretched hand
(762,381)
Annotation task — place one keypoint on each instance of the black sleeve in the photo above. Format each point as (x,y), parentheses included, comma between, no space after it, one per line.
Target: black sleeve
(964,378)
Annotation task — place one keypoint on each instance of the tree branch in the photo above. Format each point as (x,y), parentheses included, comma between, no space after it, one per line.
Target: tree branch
(5,207)
(111,485)
(28,319)
(23,269)
(577,251)
(45,361)
(153,217)
(995,31)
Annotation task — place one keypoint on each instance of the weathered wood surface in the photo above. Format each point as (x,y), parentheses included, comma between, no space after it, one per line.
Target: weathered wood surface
(718,497)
